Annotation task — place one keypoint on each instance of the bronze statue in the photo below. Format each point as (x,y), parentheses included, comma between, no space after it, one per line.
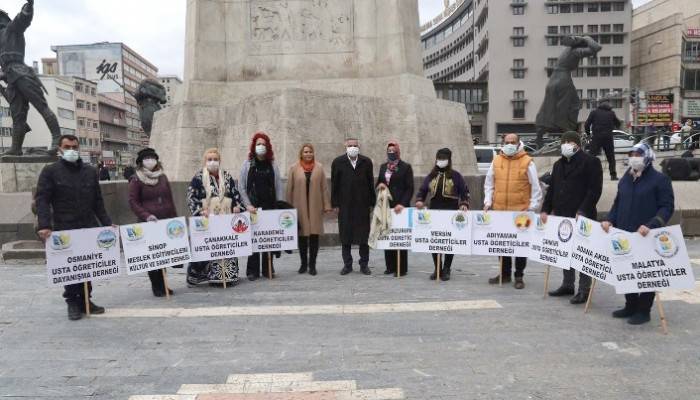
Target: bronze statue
(561,105)
(149,95)
(23,85)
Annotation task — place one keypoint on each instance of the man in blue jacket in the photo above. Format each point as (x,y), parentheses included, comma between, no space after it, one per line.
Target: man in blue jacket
(644,201)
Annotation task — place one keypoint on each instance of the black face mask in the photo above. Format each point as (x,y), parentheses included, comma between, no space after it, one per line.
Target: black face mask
(392,157)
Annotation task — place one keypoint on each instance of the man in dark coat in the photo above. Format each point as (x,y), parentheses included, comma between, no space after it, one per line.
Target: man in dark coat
(103,172)
(602,121)
(644,201)
(575,188)
(23,86)
(68,197)
(353,196)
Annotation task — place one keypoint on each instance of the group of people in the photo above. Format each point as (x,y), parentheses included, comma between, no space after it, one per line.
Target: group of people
(69,197)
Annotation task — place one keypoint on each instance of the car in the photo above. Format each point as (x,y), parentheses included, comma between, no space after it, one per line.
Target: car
(623,141)
(484,157)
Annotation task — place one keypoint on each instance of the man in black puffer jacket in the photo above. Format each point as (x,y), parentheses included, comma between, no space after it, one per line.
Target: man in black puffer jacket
(68,196)
(603,120)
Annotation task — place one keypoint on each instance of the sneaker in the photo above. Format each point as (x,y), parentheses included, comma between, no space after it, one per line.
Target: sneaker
(496,280)
(623,313)
(74,312)
(639,318)
(580,298)
(519,284)
(94,309)
(562,291)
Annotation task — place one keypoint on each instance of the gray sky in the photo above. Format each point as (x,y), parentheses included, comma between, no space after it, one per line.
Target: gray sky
(153,28)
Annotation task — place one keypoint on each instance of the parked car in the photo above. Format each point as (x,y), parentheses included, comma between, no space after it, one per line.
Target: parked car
(484,157)
(623,141)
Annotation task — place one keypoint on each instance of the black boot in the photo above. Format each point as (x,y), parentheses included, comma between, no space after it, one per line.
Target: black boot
(157,282)
(580,298)
(74,311)
(626,312)
(94,308)
(445,273)
(562,291)
(303,253)
(313,253)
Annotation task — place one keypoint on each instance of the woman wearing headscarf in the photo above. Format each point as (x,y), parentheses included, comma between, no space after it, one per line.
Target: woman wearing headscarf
(307,191)
(261,187)
(151,199)
(644,201)
(396,176)
(213,191)
(446,189)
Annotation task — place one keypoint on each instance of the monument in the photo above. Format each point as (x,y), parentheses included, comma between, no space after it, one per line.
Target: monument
(314,71)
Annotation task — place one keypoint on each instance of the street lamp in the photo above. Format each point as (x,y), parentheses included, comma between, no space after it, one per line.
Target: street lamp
(658,42)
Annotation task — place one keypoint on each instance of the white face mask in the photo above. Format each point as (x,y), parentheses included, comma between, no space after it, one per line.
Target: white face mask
(260,150)
(70,155)
(510,149)
(150,163)
(353,151)
(442,163)
(213,166)
(568,150)
(636,163)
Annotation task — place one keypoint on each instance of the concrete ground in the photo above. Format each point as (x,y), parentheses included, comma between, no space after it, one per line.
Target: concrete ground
(408,338)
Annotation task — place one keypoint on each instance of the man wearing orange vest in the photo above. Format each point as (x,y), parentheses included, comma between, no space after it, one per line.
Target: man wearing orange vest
(512,185)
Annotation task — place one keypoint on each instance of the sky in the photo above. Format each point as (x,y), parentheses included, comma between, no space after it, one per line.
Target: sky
(153,28)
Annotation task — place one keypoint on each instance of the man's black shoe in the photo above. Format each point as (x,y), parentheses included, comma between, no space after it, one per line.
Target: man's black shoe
(252,278)
(387,272)
(74,312)
(365,270)
(94,309)
(639,318)
(562,291)
(623,313)
(580,298)
(345,270)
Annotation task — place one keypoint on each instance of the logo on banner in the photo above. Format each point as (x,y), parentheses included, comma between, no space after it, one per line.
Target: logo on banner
(60,241)
(522,221)
(665,245)
(565,231)
(240,224)
(585,228)
(540,225)
(286,220)
(423,217)
(483,219)
(106,239)
(459,221)
(134,233)
(175,229)
(201,224)
(620,244)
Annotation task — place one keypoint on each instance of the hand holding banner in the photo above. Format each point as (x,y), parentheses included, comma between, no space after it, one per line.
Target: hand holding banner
(155,245)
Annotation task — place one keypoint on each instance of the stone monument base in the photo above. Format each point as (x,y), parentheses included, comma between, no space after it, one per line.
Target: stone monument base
(20,174)
(291,117)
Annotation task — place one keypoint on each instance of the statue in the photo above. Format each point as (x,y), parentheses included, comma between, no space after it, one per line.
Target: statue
(23,85)
(561,105)
(149,95)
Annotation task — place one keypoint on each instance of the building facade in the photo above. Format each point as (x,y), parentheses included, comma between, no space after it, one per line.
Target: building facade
(511,47)
(173,87)
(87,118)
(114,133)
(666,58)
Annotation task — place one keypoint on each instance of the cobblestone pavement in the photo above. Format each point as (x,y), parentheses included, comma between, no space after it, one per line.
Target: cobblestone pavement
(352,337)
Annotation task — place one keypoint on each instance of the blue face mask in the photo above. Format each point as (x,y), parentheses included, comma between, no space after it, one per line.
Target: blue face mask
(70,155)
(392,157)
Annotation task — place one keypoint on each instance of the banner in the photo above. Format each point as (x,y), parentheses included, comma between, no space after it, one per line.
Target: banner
(400,233)
(82,255)
(220,236)
(589,254)
(275,230)
(653,263)
(501,233)
(155,245)
(441,231)
(550,243)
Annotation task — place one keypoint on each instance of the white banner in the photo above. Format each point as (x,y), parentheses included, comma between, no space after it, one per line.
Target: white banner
(155,245)
(220,236)
(550,243)
(275,230)
(590,253)
(400,234)
(501,233)
(653,263)
(441,231)
(82,255)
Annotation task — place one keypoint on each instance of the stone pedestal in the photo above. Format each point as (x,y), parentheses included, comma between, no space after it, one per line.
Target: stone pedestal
(22,173)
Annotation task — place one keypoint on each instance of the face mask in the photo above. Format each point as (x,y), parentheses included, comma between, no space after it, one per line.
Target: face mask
(510,149)
(260,150)
(636,163)
(353,151)
(568,150)
(70,155)
(392,156)
(442,163)
(149,164)
(213,166)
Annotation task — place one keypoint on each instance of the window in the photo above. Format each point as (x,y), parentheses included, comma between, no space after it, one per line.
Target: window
(578,73)
(605,7)
(618,71)
(577,8)
(578,29)
(592,7)
(64,113)
(67,131)
(78,86)
(64,94)
(617,60)
(553,9)
(618,39)
(92,91)
(565,8)
(552,62)
(605,39)
(592,72)
(605,28)
(604,93)
(604,60)
(518,68)
(618,27)
(94,107)
(553,41)
(605,72)
(565,30)
(518,37)
(80,104)
(592,61)
(518,10)
(81,122)
(691,79)
(619,6)
(518,104)
(592,98)
(592,28)
(552,30)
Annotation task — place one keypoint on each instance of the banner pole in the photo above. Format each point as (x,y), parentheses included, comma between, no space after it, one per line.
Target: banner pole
(546,281)
(437,268)
(269,266)
(165,284)
(662,314)
(86,295)
(223,272)
(590,296)
(398,263)
(500,274)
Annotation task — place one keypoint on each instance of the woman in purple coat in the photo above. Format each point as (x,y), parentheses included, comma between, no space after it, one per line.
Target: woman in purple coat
(151,199)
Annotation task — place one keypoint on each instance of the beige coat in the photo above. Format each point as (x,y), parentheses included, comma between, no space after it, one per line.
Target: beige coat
(310,213)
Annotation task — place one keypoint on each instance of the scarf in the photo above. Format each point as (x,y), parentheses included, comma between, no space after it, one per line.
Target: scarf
(649,157)
(392,166)
(149,178)
(308,166)
(220,185)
